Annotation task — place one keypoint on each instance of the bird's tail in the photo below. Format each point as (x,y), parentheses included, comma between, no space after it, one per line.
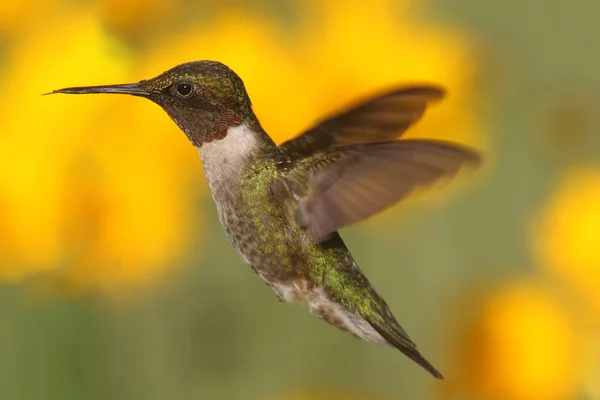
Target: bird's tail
(400,340)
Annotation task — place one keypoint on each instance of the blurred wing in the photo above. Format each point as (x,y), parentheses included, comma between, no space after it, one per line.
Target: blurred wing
(340,186)
(378,119)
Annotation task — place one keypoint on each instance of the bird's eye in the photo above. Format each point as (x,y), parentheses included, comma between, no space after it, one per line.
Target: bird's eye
(184,89)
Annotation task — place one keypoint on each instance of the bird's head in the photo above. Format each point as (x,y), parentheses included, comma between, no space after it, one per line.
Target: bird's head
(204,98)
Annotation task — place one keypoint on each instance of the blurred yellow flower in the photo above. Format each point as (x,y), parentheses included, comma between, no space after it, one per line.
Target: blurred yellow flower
(103,183)
(38,133)
(353,48)
(520,346)
(17,15)
(567,234)
(78,188)
(140,199)
(134,15)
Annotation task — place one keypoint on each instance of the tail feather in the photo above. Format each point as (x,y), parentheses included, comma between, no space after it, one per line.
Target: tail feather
(400,341)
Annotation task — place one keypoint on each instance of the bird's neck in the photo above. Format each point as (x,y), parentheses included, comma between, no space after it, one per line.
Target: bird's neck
(226,160)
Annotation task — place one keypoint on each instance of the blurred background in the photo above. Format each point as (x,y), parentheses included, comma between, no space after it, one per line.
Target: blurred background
(117,281)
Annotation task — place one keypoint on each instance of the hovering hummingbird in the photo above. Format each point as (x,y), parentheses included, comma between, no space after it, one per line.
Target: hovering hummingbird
(281,206)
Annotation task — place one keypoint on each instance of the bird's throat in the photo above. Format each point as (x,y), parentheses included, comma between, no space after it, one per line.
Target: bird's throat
(226,159)
(203,127)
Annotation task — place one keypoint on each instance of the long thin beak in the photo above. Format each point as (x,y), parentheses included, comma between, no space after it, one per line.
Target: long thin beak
(133,89)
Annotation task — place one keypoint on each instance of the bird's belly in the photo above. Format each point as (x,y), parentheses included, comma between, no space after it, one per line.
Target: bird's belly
(241,233)
(265,245)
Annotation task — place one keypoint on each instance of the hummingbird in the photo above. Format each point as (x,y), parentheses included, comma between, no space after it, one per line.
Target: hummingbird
(281,206)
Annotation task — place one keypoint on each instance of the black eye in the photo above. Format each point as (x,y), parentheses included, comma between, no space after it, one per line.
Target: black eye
(184,89)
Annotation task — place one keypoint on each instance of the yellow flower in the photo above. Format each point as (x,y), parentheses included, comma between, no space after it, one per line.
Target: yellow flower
(357,47)
(82,185)
(135,15)
(520,346)
(136,193)
(18,15)
(567,234)
(39,132)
